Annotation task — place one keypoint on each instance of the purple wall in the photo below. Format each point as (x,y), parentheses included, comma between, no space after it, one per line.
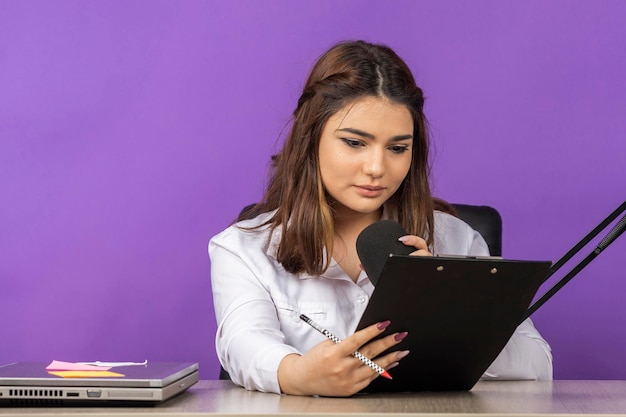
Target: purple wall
(131,132)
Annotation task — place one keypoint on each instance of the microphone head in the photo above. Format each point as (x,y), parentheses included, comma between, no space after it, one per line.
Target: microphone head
(376,242)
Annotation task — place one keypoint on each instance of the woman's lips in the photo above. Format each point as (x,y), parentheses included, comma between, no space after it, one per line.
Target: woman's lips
(370,191)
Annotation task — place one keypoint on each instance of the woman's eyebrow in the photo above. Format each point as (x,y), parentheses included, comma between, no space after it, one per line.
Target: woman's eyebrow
(370,136)
(356,132)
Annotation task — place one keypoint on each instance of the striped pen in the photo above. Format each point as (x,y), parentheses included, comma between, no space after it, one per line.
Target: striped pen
(356,354)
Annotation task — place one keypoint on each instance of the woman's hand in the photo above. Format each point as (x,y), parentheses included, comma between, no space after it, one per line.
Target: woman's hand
(329,369)
(418,243)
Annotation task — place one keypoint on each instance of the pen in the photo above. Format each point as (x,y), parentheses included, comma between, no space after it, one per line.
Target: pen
(335,339)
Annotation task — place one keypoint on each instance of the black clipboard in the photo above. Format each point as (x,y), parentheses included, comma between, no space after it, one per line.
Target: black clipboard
(459,313)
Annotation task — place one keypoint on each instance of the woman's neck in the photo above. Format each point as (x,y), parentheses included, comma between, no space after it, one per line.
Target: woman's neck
(348,226)
(348,221)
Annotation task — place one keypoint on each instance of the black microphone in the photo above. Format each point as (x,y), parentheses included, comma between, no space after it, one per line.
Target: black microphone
(376,242)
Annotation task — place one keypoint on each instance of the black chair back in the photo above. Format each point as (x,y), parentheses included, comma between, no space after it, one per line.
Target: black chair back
(485,220)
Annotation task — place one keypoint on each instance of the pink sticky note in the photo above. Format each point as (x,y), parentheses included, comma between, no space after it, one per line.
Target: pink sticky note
(86,374)
(71,366)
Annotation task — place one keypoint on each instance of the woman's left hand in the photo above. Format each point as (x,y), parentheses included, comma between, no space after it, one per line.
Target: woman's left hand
(418,243)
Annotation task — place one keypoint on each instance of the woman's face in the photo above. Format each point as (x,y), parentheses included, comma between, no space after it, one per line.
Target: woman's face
(365,153)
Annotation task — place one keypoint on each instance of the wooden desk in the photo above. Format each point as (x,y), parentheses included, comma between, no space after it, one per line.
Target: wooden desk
(521,398)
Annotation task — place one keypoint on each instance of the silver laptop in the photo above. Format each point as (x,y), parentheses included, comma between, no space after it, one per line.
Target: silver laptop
(30,384)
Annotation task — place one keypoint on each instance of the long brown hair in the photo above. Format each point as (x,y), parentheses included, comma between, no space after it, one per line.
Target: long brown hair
(345,73)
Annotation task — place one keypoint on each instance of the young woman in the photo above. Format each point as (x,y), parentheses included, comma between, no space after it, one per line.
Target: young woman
(357,153)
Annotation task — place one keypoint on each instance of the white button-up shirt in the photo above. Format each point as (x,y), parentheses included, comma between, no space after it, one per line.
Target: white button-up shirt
(258,305)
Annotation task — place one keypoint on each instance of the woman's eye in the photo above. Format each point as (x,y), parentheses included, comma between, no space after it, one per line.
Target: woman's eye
(399,148)
(352,142)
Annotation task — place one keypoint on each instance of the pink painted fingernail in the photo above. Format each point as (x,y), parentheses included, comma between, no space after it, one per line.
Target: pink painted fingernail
(403,239)
(393,365)
(400,336)
(402,354)
(383,325)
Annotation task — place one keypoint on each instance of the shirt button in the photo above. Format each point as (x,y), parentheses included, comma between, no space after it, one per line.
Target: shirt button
(295,317)
(361,299)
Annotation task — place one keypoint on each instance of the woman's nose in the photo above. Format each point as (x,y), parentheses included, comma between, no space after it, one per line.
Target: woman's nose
(374,164)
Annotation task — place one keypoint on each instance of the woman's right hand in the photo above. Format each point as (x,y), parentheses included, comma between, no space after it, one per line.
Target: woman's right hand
(330,369)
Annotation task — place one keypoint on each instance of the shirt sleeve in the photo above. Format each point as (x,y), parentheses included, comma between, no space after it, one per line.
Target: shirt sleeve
(249,341)
(526,356)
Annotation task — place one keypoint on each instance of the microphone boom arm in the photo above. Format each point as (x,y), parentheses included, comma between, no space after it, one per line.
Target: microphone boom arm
(610,238)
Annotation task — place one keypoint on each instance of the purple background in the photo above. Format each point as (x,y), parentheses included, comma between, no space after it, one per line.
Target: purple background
(133,131)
